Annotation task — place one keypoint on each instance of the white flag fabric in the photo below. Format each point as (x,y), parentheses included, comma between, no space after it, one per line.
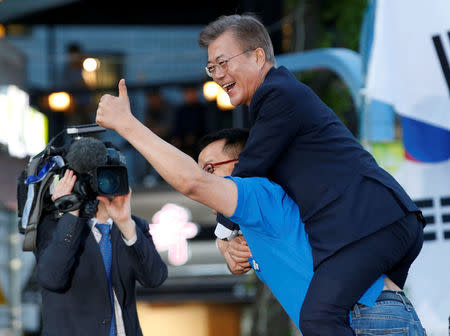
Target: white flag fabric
(404,67)
(409,69)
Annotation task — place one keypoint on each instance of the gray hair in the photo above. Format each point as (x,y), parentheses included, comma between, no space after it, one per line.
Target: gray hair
(247,29)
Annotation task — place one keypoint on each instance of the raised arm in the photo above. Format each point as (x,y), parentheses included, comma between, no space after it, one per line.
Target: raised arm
(177,168)
(58,242)
(148,267)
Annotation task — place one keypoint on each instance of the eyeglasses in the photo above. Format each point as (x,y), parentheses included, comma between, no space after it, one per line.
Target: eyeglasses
(210,167)
(221,65)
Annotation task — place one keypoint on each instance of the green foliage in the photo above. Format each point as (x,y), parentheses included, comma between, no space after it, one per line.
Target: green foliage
(341,23)
(332,23)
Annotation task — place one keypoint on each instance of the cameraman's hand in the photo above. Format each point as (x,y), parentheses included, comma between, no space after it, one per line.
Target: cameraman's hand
(115,112)
(119,209)
(64,187)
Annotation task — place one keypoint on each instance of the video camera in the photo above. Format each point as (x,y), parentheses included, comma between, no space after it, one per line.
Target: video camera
(100,169)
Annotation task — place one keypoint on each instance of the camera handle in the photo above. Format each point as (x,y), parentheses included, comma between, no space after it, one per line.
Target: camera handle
(68,203)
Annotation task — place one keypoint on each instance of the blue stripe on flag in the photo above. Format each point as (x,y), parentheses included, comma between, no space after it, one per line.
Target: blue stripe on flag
(425,142)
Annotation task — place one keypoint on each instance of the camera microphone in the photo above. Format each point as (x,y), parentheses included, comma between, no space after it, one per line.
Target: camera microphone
(85,154)
(101,169)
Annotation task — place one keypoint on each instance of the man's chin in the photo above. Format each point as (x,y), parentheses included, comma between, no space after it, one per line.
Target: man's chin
(235,100)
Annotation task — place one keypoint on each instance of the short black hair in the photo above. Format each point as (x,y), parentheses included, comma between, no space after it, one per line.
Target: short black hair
(246,28)
(235,139)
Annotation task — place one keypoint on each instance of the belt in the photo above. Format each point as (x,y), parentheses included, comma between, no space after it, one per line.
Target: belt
(388,295)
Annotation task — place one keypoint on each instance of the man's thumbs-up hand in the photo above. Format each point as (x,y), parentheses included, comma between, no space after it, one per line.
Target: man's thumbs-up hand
(123,93)
(114,112)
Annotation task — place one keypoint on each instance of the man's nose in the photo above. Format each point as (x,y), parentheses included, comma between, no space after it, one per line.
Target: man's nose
(219,73)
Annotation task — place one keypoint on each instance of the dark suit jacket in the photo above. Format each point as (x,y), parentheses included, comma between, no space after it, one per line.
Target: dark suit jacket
(298,142)
(70,270)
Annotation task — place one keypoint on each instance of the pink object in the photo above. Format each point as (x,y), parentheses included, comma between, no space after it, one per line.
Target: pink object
(170,230)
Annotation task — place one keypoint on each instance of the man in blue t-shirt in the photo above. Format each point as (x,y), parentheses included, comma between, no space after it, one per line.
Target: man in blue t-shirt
(268,217)
(281,254)
(271,224)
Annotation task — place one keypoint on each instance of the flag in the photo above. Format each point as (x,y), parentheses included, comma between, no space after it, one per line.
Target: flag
(409,69)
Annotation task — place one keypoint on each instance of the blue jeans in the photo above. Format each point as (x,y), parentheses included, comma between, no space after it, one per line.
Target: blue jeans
(392,315)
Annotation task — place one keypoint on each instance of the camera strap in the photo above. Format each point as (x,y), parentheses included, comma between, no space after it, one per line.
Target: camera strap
(29,243)
(32,181)
(37,186)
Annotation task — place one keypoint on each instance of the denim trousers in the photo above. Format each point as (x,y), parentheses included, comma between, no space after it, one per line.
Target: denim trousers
(392,315)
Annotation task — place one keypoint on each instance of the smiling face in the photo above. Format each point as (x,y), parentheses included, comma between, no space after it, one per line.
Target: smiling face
(243,74)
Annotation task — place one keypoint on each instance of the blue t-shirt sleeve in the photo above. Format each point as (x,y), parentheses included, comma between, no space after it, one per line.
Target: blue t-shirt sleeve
(259,203)
(246,213)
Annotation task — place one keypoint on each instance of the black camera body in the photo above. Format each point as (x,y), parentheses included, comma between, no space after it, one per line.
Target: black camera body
(100,169)
(109,179)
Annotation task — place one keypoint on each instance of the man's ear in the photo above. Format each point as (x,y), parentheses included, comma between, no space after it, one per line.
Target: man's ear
(260,56)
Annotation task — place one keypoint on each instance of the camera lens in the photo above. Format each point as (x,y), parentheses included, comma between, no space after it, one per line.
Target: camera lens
(108,182)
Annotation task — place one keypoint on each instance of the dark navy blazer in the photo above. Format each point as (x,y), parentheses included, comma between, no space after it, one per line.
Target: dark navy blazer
(299,143)
(70,270)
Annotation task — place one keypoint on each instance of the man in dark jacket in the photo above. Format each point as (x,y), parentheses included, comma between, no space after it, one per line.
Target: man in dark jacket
(360,221)
(88,267)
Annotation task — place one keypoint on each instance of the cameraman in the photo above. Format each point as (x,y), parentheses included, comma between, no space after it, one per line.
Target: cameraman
(88,267)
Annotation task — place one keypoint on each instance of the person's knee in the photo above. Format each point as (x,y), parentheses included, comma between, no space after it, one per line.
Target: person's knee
(399,272)
(328,325)
(323,319)
(309,328)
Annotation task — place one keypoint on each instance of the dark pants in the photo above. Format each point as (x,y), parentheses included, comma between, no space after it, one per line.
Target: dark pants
(340,280)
